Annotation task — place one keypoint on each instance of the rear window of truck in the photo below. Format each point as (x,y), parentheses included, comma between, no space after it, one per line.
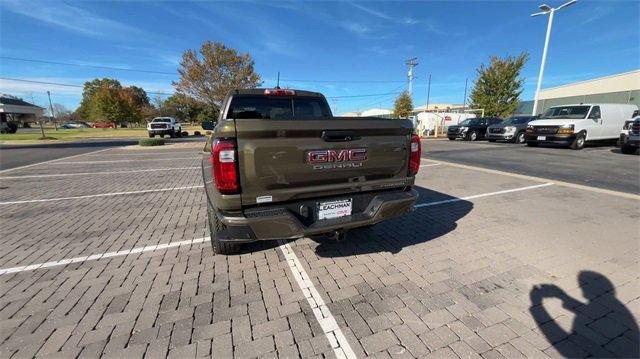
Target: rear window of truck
(277,108)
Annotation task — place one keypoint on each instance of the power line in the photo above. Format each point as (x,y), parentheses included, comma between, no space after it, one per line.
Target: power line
(170,93)
(174,73)
(86,65)
(368,95)
(346,81)
(71,85)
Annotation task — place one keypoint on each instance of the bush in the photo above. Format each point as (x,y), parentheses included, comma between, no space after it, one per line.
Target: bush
(185,134)
(151,142)
(197,133)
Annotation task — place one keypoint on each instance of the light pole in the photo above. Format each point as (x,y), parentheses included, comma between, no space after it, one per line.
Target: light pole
(546,9)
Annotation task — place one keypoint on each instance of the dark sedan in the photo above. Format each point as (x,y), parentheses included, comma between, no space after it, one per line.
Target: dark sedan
(472,129)
(511,129)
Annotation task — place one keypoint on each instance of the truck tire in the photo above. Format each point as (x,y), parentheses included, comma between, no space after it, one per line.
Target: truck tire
(519,138)
(215,226)
(472,136)
(532,144)
(172,134)
(151,135)
(627,150)
(578,142)
(452,138)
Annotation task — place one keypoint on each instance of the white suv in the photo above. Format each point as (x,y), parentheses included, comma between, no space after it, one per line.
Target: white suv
(164,126)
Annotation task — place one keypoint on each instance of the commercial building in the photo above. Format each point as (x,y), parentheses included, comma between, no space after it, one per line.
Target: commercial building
(16,110)
(620,88)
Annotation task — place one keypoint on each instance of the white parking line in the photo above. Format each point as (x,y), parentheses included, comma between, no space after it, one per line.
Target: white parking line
(541,179)
(94,257)
(327,321)
(428,204)
(99,173)
(57,159)
(119,161)
(101,195)
(430,165)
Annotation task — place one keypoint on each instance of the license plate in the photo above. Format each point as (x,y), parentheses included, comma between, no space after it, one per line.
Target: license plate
(334,209)
(542,138)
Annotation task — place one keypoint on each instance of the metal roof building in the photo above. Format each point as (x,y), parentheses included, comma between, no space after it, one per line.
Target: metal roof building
(620,88)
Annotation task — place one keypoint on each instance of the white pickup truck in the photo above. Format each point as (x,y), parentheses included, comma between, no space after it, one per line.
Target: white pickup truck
(164,126)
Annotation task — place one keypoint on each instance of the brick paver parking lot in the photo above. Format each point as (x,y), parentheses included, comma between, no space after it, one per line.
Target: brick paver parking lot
(542,271)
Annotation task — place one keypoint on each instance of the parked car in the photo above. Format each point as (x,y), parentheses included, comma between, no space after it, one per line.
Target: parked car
(472,129)
(104,125)
(574,125)
(73,124)
(8,127)
(278,165)
(164,126)
(630,136)
(512,129)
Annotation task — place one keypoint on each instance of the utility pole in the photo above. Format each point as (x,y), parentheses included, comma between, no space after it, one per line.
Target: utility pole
(428,91)
(411,63)
(464,100)
(52,115)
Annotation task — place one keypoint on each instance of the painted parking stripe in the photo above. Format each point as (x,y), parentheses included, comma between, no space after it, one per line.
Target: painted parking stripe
(327,321)
(101,195)
(55,160)
(541,179)
(98,173)
(120,161)
(430,165)
(94,257)
(452,200)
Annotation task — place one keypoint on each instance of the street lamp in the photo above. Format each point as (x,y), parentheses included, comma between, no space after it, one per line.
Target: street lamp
(546,9)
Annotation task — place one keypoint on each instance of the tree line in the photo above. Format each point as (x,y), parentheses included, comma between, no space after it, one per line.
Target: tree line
(207,75)
(205,79)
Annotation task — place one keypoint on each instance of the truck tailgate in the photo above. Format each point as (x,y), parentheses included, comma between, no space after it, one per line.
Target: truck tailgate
(284,160)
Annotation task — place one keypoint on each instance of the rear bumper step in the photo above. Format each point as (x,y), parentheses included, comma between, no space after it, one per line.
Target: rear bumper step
(280,222)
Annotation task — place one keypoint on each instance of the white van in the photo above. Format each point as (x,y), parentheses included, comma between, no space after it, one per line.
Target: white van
(573,125)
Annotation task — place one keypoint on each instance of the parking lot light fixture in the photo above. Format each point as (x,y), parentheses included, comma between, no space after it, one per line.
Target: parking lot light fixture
(546,9)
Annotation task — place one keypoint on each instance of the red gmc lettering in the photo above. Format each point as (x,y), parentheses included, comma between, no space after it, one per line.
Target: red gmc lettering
(325,156)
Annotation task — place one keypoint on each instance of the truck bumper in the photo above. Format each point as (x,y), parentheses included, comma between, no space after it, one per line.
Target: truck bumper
(501,136)
(286,221)
(562,139)
(159,132)
(630,141)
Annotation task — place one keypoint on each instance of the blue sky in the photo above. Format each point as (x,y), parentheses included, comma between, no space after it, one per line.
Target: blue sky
(319,41)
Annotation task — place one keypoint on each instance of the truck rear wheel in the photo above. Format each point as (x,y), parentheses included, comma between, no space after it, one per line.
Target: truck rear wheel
(215,227)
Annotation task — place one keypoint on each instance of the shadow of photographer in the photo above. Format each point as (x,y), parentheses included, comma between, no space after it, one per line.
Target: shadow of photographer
(601,302)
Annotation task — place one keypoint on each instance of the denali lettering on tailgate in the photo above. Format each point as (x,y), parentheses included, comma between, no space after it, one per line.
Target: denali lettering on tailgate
(327,159)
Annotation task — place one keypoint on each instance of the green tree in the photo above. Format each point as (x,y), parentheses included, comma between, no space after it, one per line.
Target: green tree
(403,105)
(106,100)
(209,76)
(498,86)
(89,90)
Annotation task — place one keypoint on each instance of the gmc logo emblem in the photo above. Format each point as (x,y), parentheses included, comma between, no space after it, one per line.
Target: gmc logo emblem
(331,156)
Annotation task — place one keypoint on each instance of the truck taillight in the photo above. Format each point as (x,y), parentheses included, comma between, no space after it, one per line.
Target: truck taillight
(224,169)
(414,155)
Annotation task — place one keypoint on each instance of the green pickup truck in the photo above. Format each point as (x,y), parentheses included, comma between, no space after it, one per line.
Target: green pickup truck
(278,165)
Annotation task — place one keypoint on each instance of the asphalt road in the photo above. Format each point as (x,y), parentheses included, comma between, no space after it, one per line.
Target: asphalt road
(12,156)
(598,166)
